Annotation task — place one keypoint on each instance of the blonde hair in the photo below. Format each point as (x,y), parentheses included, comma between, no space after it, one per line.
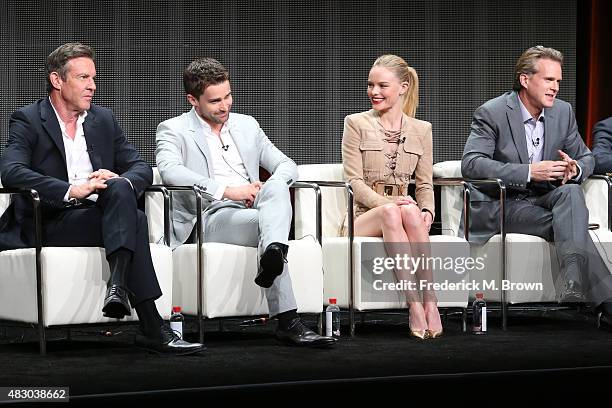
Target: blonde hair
(405,73)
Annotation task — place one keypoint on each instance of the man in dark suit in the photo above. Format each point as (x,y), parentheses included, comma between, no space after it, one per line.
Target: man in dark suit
(528,138)
(89,178)
(602,146)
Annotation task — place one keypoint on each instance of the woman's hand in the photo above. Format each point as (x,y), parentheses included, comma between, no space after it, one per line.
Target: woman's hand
(404,200)
(427,219)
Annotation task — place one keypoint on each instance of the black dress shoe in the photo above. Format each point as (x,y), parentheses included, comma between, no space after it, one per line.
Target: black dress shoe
(603,315)
(116,303)
(297,334)
(168,342)
(572,293)
(271,264)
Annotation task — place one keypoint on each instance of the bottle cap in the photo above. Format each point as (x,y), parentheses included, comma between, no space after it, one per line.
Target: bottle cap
(479,295)
(176,309)
(332,301)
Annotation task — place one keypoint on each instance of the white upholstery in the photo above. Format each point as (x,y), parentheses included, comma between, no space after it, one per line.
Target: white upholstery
(596,195)
(528,258)
(335,247)
(229,272)
(74,283)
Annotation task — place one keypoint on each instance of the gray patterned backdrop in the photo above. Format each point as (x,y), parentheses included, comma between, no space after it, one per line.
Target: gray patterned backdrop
(299,67)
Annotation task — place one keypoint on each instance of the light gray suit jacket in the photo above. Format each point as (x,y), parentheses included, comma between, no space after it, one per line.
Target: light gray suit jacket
(183,159)
(497,148)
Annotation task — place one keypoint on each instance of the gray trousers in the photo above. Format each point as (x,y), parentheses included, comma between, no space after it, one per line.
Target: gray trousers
(269,220)
(561,216)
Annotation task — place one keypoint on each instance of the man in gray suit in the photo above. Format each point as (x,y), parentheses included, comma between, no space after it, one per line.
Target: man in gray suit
(602,146)
(529,139)
(221,152)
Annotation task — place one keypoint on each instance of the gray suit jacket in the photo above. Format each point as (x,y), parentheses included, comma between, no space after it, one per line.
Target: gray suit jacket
(602,146)
(183,158)
(497,148)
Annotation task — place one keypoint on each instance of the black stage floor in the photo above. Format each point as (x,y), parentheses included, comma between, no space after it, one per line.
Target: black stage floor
(549,355)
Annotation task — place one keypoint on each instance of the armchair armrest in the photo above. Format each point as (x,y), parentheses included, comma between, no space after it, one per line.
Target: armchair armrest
(351,237)
(608,180)
(318,213)
(33,195)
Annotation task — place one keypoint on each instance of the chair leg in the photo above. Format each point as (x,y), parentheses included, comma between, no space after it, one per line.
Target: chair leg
(42,340)
(464,319)
(320,324)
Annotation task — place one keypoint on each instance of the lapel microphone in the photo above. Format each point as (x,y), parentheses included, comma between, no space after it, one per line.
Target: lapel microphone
(536,142)
(225,147)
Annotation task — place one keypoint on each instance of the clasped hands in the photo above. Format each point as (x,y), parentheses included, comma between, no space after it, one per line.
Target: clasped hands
(550,170)
(95,181)
(245,193)
(426,215)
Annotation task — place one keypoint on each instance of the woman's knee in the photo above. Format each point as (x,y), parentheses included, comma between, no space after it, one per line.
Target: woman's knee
(391,216)
(411,216)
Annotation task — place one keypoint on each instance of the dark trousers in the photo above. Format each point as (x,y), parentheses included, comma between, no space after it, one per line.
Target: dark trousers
(561,216)
(113,222)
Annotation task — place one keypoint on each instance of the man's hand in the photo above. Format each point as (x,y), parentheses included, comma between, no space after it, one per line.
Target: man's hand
(103,174)
(81,191)
(548,170)
(571,170)
(404,200)
(246,193)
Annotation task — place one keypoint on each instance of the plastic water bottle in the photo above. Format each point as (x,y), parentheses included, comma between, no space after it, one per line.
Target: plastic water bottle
(332,319)
(176,321)
(479,314)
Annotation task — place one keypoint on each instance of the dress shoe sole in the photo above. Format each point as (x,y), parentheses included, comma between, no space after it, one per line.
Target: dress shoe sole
(271,265)
(171,353)
(115,310)
(314,344)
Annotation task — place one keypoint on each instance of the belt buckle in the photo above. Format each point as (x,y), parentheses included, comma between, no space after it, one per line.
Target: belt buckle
(388,189)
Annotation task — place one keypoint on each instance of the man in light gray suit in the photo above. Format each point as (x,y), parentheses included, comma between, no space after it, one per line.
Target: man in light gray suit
(221,152)
(529,139)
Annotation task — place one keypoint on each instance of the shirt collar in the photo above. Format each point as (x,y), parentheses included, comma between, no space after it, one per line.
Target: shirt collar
(525,113)
(207,127)
(80,119)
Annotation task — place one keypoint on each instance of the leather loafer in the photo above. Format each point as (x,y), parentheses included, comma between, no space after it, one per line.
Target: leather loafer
(116,303)
(168,342)
(572,293)
(271,264)
(297,334)
(603,315)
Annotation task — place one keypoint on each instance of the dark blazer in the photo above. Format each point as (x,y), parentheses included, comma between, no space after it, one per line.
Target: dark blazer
(602,146)
(35,158)
(497,148)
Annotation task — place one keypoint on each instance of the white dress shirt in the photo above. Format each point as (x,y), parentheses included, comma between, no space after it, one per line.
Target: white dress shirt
(78,163)
(228,167)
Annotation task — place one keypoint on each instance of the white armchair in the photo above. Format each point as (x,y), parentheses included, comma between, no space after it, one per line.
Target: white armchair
(227,272)
(343,277)
(57,286)
(527,258)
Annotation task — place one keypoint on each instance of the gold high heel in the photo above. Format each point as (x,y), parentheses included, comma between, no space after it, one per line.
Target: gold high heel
(434,334)
(420,334)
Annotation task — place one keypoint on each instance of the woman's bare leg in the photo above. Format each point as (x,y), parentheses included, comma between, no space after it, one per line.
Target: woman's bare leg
(386,221)
(418,236)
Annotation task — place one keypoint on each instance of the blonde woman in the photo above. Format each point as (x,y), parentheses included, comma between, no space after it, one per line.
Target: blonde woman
(382,149)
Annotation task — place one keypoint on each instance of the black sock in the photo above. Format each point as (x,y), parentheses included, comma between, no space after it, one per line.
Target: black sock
(150,320)
(285,318)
